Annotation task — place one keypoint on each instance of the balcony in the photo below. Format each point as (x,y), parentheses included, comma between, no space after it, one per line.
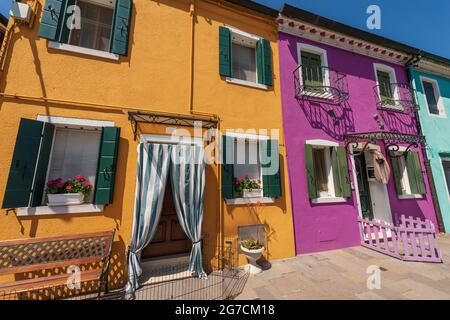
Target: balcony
(320,84)
(397,97)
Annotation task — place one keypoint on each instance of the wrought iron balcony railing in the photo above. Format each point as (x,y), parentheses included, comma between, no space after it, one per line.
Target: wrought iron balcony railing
(320,84)
(398,97)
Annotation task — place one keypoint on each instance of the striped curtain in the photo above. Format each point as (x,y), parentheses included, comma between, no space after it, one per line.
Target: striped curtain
(187,177)
(151,177)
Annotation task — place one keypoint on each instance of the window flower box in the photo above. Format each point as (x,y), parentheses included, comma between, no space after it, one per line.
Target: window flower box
(71,192)
(64,199)
(255,193)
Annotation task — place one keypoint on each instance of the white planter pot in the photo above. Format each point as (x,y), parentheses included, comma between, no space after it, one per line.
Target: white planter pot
(255,193)
(252,256)
(64,199)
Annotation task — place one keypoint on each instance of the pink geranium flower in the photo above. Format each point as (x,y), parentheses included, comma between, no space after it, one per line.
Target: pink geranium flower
(68,188)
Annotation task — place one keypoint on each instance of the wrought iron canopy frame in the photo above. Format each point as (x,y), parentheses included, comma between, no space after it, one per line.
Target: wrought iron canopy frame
(391,140)
(169,119)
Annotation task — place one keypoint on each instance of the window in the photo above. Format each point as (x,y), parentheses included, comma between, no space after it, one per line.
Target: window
(407,174)
(446,167)
(246,162)
(326,171)
(432,97)
(94,27)
(57,147)
(312,73)
(244,62)
(244,58)
(322,170)
(387,87)
(75,152)
(96,23)
(384,82)
(250,158)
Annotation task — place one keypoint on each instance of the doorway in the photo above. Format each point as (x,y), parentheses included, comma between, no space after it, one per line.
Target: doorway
(170,238)
(372,195)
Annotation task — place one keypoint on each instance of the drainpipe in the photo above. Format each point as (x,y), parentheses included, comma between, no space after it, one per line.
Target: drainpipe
(219,224)
(409,66)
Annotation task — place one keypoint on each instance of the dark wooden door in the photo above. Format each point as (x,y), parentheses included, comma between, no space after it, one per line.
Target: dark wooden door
(170,237)
(363,187)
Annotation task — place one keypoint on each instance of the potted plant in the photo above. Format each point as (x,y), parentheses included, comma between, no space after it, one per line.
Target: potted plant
(72,191)
(248,188)
(253,251)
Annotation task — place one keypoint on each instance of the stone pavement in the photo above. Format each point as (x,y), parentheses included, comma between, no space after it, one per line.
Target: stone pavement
(342,274)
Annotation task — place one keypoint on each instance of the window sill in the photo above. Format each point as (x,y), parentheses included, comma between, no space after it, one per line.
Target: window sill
(81,50)
(440,116)
(238,201)
(47,210)
(393,108)
(329,200)
(410,196)
(247,83)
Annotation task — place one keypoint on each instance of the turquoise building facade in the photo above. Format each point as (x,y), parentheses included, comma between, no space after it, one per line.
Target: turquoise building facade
(430,76)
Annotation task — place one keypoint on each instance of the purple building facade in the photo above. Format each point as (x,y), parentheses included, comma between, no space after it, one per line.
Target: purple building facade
(345,98)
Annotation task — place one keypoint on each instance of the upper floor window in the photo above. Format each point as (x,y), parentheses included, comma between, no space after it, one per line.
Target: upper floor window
(95,27)
(312,73)
(244,58)
(433,97)
(387,89)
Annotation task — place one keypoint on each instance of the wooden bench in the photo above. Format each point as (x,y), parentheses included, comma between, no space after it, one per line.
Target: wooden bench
(32,255)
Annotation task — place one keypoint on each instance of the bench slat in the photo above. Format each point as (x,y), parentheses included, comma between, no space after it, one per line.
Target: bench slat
(46,282)
(55,238)
(51,265)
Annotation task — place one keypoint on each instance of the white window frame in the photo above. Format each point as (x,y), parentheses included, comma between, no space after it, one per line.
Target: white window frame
(447,187)
(405,178)
(437,95)
(324,63)
(392,78)
(241,201)
(253,38)
(331,197)
(71,209)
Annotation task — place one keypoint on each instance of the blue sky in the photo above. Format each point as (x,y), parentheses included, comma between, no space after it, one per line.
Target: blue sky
(421,24)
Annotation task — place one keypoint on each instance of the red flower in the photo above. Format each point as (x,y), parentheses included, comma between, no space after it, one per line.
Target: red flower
(86,185)
(246,176)
(79,177)
(68,188)
(60,185)
(50,182)
(69,180)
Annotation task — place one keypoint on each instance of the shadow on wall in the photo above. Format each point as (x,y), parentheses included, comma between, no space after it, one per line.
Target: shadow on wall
(334,119)
(403,122)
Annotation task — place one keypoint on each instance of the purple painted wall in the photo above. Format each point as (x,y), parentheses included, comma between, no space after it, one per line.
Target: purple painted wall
(320,227)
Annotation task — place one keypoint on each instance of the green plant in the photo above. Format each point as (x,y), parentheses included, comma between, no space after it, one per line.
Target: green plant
(251,244)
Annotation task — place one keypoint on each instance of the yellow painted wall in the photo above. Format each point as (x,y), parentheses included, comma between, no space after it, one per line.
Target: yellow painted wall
(155,76)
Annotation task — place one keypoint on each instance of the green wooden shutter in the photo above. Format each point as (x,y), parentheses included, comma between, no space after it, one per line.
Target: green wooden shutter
(65,32)
(271,182)
(415,175)
(264,62)
(312,74)
(19,187)
(397,175)
(310,175)
(42,164)
(107,165)
(227,168)
(52,19)
(224,52)
(121,27)
(384,82)
(341,178)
